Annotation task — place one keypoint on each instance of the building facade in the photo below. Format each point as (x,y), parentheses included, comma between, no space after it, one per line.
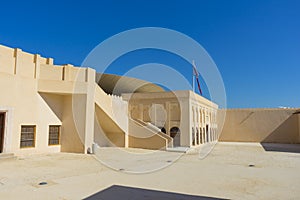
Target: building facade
(189,119)
(62,108)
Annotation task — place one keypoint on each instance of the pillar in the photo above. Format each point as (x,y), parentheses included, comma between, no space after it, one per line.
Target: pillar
(37,66)
(17,55)
(90,110)
(49,61)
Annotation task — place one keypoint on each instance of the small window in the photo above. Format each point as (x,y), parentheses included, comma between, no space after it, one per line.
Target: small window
(27,136)
(54,134)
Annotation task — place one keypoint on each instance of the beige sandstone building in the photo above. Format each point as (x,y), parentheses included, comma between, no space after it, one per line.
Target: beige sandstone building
(50,108)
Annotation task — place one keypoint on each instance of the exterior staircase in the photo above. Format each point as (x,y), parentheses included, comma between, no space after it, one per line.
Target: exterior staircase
(154,130)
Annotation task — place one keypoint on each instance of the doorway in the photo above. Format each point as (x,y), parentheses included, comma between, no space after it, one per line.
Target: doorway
(207,134)
(2,127)
(175,134)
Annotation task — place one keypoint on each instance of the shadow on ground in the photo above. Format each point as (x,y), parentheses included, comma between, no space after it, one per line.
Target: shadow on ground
(289,148)
(130,193)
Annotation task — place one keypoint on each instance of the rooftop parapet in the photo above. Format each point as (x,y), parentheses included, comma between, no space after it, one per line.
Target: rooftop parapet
(19,63)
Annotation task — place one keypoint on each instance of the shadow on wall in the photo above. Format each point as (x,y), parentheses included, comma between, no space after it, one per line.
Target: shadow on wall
(123,192)
(289,148)
(286,132)
(114,135)
(280,133)
(261,126)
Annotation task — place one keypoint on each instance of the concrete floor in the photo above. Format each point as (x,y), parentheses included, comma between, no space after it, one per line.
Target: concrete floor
(224,173)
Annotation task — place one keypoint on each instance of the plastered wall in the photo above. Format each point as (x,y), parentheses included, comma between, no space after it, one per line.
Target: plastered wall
(35,92)
(260,125)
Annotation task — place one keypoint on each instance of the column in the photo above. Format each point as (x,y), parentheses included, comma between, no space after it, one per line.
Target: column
(37,66)
(89,112)
(17,55)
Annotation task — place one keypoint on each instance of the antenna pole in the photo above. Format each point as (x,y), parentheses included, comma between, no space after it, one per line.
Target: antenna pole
(193,76)
(196,75)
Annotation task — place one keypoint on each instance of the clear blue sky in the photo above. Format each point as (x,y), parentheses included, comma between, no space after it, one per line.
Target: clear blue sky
(255,43)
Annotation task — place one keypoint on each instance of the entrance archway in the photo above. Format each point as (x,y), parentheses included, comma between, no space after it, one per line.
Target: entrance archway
(175,134)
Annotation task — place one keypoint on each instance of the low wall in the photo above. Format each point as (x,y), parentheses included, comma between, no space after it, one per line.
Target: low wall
(260,125)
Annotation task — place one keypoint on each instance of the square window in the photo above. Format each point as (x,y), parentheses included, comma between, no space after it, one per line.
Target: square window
(27,136)
(54,135)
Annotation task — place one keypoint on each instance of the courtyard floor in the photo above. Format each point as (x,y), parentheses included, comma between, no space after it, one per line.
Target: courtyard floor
(229,171)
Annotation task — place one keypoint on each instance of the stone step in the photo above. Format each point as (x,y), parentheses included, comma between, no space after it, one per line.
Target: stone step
(178,149)
(4,156)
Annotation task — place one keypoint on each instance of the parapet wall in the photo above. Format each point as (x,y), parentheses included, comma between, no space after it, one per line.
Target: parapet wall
(26,65)
(261,125)
(15,61)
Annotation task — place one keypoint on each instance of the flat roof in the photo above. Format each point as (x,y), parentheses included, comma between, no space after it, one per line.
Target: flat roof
(115,84)
(181,94)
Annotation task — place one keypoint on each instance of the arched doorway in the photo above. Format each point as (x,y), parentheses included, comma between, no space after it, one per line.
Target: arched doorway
(207,134)
(193,137)
(175,134)
(201,139)
(197,136)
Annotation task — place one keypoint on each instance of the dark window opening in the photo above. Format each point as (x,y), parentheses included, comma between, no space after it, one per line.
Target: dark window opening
(54,135)
(27,136)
